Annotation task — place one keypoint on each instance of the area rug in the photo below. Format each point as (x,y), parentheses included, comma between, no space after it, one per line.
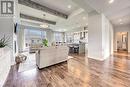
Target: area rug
(29,64)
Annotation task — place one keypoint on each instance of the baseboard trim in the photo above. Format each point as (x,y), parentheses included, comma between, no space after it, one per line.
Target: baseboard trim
(98,59)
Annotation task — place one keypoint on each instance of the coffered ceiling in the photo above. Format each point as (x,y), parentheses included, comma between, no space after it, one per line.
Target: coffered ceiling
(118,11)
(59,5)
(77,17)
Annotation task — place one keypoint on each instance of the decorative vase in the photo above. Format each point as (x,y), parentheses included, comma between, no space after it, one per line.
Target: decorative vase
(1,51)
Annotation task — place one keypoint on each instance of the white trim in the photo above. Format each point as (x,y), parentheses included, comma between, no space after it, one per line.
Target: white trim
(99,59)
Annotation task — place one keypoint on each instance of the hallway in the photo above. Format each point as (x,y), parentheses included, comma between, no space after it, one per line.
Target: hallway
(76,72)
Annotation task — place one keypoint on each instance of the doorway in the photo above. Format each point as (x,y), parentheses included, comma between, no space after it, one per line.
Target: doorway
(122,41)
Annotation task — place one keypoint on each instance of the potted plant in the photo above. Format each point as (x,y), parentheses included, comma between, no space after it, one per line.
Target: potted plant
(3,43)
(45,42)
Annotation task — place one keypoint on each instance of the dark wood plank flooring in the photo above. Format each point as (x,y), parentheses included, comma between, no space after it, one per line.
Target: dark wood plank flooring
(76,72)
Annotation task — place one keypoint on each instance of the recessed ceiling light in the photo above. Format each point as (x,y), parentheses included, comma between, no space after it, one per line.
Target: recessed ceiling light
(120,20)
(84,18)
(111,1)
(44,26)
(64,29)
(69,6)
(44,14)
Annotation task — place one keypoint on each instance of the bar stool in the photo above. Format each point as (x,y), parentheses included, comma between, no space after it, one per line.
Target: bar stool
(76,49)
(71,49)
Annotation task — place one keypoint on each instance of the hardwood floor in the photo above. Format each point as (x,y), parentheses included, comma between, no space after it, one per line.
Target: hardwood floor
(76,72)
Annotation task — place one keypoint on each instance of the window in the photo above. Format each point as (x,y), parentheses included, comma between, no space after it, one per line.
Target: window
(69,37)
(58,37)
(37,33)
(33,36)
(43,35)
(76,37)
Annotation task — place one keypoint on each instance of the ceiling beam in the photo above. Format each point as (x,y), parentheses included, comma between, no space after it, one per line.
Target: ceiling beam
(76,12)
(85,5)
(37,6)
(36,19)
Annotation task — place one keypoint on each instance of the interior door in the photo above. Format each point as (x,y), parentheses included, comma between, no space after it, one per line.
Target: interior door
(122,41)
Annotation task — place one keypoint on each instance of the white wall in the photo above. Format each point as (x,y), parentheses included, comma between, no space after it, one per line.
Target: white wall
(107,37)
(7,29)
(21,39)
(95,35)
(111,38)
(123,28)
(100,36)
